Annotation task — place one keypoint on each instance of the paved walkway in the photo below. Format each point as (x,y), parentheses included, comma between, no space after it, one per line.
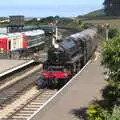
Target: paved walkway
(85,88)
(9,64)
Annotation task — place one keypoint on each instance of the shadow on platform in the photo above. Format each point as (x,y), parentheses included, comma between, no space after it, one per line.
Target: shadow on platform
(79,113)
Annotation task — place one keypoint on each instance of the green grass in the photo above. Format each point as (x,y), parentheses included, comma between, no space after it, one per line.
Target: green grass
(114,23)
(96,13)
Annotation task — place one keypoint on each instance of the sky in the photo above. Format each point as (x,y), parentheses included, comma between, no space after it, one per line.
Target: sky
(44,8)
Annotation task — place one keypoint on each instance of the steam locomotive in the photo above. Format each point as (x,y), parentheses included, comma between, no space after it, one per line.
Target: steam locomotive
(67,58)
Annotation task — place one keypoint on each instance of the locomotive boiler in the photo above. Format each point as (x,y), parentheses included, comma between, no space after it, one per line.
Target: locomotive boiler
(65,60)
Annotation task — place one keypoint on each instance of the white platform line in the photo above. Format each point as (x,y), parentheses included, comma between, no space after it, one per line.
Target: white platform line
(16,68)
(45,104)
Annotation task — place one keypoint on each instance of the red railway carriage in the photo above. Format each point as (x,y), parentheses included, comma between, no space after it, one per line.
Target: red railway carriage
(18,42)
(12,42)
(3,44)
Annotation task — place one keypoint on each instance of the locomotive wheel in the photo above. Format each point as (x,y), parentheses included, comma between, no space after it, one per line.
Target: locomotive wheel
(78,65)
(65,81)
(82,63)
(52,84)
(75,68)
(40,84)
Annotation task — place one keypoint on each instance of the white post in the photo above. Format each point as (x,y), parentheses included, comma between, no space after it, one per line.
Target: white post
(107,31)
(56,32)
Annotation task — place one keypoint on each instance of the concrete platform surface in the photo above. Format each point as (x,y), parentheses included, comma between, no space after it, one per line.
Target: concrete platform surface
(6,64)
(76,97)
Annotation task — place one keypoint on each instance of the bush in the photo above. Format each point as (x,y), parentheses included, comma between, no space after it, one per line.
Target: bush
(112,33)
(111,54)
(96,112)
(115,113)
(111,95)
(107,109)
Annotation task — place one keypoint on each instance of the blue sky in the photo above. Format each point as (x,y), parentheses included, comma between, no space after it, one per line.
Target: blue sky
(43,8)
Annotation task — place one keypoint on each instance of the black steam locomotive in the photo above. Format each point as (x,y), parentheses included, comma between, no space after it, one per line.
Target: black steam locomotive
(68,58)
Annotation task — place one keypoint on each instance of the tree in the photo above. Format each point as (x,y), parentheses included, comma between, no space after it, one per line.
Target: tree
(47,20)
(112,7)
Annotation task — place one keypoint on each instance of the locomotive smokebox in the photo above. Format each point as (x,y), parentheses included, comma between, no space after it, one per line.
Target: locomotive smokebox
(58,54)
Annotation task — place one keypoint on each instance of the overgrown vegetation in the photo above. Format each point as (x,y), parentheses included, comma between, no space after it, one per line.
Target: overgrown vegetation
(70,23)
(109,107)
(5,24)
(111,33)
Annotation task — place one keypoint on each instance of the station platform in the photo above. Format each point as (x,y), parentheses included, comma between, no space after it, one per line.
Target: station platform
(71,102)
(7,66)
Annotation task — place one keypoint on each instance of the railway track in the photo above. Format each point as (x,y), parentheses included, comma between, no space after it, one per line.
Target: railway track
(28,106)
(19,75)
(10,90)
(19,98)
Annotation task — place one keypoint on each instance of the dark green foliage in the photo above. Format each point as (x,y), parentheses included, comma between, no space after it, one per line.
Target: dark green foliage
(112,33)
(115,113)
(96,112)
(5,24)
(111,60)
(80,22)
(65,20)
(70,23)
(43,21)
(3,18)
(31,22)
(112,7)
(111,54)
(61,22)
(111,95)
(48,20)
